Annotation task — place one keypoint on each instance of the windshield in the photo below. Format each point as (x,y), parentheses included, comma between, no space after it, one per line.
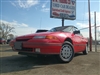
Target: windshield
(64,29)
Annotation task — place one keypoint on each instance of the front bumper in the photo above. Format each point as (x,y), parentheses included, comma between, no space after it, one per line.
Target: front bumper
(30,47)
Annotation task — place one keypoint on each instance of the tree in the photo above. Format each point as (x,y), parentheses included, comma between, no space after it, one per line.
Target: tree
(5,29)
(10,36)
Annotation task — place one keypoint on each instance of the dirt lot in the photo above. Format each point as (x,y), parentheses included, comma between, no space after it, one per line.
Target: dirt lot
(13,64)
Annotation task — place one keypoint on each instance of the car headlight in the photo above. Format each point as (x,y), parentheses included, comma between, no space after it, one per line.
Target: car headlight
(46,37)
(39,37)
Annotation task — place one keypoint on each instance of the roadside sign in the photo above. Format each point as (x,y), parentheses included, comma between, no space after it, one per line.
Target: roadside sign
(63,9)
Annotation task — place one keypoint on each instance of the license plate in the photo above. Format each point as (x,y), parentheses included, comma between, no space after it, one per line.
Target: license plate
(18,45)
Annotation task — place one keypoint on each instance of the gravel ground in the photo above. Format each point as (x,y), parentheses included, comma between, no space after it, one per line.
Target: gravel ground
(13,64)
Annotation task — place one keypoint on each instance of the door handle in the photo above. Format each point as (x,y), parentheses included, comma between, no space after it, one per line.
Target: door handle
(82,38)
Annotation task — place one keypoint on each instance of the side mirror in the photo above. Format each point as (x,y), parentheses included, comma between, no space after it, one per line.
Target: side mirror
(77,32)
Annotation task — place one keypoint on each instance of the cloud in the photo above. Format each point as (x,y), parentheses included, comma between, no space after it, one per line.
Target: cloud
(92,17)
(23,31)
(24,25)
(14,23)
(84,28)
(25,3)
(86,24)
(81,25)
(13,3)
(20,28)
(45,9)
(98,17)
(43,6)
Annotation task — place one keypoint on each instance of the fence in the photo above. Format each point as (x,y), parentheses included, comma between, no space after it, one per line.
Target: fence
(85,32)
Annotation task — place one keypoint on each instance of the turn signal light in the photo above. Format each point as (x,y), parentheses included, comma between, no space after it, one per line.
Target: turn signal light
(51,37)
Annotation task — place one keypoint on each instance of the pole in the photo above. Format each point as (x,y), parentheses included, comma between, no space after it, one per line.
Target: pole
(62,22)
(90,26)
(95,32)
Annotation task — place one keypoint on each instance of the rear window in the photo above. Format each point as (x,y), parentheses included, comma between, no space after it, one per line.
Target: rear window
(38,31)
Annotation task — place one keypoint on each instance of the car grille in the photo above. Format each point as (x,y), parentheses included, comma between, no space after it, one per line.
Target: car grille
(26,49)
(22,39)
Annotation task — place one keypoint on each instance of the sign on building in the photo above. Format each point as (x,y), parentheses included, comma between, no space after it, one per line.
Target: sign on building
(64,9)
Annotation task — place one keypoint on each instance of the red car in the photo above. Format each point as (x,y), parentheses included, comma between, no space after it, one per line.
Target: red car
(61,41)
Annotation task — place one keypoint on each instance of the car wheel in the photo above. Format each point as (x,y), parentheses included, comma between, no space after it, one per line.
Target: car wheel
(85,52)
(66,52)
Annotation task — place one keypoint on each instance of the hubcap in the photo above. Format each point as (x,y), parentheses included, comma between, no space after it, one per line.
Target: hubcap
(66,52)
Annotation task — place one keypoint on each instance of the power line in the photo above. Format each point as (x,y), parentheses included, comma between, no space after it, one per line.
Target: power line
(88,27)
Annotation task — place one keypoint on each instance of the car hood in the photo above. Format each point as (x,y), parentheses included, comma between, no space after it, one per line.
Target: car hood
(29,36)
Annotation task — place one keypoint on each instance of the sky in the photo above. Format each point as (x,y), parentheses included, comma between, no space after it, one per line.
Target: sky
(29,15)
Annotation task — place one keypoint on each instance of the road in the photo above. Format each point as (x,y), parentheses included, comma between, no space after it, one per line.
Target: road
(13,64)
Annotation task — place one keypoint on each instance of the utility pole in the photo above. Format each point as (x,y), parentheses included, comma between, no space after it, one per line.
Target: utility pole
(90,26)
(62,22)
(95,32)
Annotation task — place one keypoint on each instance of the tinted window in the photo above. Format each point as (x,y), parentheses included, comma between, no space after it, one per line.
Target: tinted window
(38,31)
(57,29)
(64,29)
(52,30)
(75,29)
(68,29)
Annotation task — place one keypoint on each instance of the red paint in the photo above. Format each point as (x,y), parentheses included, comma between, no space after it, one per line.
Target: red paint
(52,43)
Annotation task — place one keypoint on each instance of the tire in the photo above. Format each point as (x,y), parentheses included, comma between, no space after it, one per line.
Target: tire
(66,52)
(85,52)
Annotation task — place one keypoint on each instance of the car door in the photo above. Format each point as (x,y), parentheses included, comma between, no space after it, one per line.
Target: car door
(84,42)
(77,40)
(75,37)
